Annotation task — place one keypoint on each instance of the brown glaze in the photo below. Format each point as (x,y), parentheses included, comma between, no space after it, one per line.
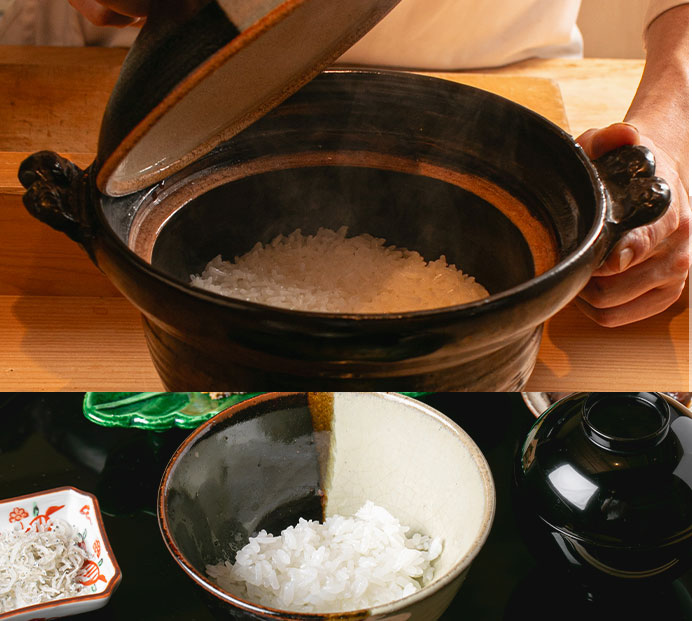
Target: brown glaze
(321,406)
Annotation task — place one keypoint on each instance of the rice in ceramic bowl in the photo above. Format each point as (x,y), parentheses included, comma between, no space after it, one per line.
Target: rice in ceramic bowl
(361,487)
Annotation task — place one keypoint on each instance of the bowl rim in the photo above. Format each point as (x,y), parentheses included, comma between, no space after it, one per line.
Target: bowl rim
(498,300)
(113,583)
(450,576)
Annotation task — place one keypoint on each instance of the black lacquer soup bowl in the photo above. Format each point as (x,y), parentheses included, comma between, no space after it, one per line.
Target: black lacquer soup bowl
(603,490)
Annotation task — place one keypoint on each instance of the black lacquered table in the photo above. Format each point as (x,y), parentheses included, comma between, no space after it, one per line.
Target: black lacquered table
(46,442)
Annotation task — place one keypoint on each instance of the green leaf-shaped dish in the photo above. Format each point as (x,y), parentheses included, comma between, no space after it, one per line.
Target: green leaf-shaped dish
(159,411)
(156,411)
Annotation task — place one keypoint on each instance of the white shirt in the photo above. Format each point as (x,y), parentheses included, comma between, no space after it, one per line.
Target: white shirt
(422,34)
(457,34)
(465,34)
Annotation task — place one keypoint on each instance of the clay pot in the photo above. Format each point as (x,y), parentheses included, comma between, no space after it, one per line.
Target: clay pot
(427,164)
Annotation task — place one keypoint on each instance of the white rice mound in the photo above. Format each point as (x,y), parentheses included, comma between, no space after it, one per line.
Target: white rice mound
(328,272)
(38,566)
(344,564)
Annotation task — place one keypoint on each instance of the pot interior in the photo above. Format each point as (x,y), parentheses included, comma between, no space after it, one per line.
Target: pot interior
(409,211)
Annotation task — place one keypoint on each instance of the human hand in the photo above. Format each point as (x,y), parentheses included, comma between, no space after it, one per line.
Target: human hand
(646,270)
(112,12)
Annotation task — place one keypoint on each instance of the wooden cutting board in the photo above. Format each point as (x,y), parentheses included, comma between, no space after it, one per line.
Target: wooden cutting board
(541,95)
(60,107)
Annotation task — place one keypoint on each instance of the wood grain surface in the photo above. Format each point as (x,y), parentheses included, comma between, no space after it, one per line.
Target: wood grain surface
(53,107)
(73,343)
(65,327)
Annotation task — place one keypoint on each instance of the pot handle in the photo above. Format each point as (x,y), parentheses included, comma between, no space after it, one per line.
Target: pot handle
(637,197)
(56,194)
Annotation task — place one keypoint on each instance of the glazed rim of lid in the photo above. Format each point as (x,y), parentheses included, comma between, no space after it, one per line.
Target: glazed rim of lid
(281,45)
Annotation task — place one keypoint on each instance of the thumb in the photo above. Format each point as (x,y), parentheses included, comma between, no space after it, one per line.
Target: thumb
(597,142)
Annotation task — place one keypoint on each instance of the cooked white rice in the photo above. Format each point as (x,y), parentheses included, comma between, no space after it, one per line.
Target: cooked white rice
(346,563)
(328,272)
(41,565)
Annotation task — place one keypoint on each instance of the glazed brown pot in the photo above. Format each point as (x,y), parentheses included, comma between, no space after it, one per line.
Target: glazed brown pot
(427,164)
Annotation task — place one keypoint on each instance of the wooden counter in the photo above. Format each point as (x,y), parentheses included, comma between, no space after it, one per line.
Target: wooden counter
(64,326)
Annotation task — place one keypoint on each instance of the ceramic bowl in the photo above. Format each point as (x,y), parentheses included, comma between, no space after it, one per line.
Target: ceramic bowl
(81,510)
(275,458)
(428,165)
(539,402)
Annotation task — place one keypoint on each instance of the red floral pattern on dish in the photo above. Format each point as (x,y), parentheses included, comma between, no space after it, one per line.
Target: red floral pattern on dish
(85,512)
(18,514)
(43,517)
(91,574)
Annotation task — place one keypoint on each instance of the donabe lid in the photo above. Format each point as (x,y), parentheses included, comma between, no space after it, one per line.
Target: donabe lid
(612,468)
(202,70)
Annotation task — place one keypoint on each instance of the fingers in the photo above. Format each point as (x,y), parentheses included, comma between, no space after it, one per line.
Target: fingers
(597,142)
(639,244)
(643,290)
(650,304)
(101,15)
(669,265)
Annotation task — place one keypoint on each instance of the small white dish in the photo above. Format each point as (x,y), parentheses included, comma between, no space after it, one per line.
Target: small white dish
(80,510)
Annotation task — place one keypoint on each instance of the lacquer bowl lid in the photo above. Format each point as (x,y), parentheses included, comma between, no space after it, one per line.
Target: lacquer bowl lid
(202,70)
(611,469)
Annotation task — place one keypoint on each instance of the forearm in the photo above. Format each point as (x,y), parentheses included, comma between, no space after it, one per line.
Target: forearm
(661,103)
